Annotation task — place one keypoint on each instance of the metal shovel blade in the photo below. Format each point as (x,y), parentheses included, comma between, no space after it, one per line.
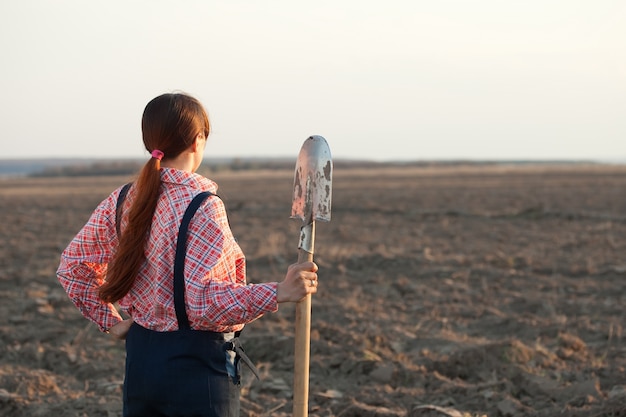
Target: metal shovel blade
(312,189)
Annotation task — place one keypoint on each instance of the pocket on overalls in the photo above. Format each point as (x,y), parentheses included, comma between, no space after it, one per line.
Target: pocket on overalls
(234,354)
(232,363)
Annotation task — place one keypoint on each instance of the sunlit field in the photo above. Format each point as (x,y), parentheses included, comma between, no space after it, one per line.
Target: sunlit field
(493,290)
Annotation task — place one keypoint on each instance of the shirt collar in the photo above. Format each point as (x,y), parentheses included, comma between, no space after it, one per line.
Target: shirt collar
(189,179)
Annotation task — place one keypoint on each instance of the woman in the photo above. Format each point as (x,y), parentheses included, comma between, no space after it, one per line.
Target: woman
(178,273)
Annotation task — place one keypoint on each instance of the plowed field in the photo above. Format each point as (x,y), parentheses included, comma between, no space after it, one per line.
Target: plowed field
(475,290)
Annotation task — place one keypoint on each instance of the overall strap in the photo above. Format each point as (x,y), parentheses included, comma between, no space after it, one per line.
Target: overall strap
(118,207)
(179,262)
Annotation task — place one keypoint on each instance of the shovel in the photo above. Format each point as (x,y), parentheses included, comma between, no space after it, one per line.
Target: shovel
(312,193)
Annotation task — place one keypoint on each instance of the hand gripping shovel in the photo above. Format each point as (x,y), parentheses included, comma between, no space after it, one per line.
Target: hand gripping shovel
(312,193)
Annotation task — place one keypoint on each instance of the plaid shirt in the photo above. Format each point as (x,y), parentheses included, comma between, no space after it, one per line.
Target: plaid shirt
(216,295)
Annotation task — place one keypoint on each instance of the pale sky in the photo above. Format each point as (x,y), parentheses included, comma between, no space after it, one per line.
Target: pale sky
(380,80)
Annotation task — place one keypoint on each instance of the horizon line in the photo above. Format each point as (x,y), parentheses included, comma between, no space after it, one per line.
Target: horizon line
(341,159)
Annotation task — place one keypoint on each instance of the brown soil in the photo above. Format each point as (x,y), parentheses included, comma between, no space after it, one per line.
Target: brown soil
(464,291)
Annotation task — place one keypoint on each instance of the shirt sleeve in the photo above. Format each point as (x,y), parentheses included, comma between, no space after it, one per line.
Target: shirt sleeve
(84,262)
(215,272)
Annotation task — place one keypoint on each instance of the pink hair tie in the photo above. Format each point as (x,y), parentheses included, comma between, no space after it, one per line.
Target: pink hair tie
(157,154)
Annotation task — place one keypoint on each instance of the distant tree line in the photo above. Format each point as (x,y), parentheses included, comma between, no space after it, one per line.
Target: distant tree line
(131,167)
(95,169)
(109,168)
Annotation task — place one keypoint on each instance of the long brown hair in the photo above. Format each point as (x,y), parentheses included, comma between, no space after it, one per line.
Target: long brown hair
(170,123)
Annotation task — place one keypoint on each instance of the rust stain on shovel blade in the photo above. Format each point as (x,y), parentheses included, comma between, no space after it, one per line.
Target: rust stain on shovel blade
(312,191)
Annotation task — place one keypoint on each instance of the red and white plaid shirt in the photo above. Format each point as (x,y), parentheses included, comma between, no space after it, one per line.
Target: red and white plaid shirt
(216,294)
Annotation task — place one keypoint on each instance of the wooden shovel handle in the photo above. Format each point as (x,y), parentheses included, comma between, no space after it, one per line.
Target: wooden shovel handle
(302,349)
